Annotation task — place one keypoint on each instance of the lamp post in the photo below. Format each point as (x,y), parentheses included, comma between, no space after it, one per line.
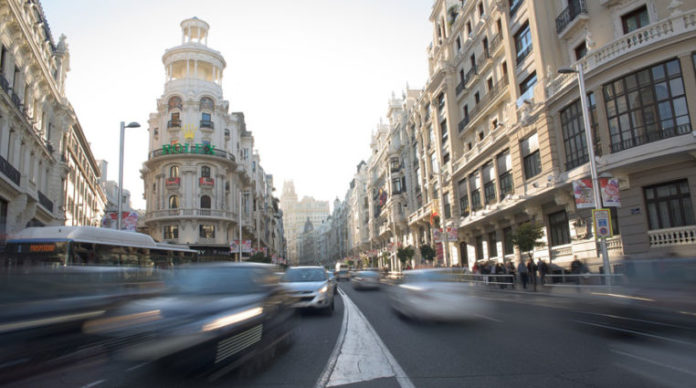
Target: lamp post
(120,171)
(593,166)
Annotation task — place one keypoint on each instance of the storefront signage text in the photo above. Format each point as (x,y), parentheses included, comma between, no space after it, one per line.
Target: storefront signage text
(207,149)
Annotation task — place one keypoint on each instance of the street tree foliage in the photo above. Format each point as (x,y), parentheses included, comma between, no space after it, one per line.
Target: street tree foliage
(427,252)
(405,254)
(350,263)
(526,236)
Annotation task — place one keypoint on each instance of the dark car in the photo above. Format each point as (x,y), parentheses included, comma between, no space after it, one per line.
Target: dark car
(213,318)
(43,311)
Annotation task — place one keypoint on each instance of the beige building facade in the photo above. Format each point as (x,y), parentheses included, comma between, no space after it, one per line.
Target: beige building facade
(295,214)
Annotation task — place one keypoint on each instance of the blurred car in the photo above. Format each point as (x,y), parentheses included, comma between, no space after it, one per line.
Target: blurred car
(342,274)
(212,319)
(365,280)
(310,287)
(332,280)
(434,294)
(44,309)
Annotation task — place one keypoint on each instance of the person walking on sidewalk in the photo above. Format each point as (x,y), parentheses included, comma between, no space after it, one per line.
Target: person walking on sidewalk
(524,273)
(543,270)
(532,268)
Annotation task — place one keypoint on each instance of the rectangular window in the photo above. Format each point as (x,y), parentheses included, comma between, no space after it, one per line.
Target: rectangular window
(446,205)
(531,157)
(434,168)
(559,229)
(504,162)
(527,89)
(574,141)
(492,245)
(206,231)
(635,19)
(489,183)
(523,42)
(508,247)
(669,205)
(514,5)
(443,130)
(475,188)
(463,198)
(580,51)
(647,106)
(171,232)
(396,186)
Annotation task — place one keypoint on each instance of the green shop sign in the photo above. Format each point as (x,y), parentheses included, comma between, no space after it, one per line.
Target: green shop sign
(206,149)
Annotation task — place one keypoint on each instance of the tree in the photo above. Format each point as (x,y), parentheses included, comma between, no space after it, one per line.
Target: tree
(525,237)
(427,252)
(405,254)
(350,263)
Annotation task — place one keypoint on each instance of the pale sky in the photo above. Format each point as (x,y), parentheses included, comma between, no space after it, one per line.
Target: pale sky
(312,77)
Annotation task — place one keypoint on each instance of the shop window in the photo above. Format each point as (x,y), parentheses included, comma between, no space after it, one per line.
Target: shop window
(669,205)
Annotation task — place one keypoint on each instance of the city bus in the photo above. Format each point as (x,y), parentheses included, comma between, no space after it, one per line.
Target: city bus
(59,246)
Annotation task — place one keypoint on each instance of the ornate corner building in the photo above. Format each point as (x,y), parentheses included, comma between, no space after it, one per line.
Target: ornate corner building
(48,175)
(203,179)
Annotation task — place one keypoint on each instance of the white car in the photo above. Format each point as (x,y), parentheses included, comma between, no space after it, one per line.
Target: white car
(435,294)
(310,286)
(365,280)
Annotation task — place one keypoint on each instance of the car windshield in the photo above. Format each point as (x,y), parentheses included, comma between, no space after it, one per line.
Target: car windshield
(220,280)
(368,274)
(304,275)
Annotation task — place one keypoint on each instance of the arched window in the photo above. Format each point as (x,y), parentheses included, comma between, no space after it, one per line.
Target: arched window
(175,103)
(205,202)
(207,104)
(174,202)
(205,172)
(174,171)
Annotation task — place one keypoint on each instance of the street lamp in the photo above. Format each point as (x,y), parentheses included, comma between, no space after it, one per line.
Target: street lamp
(120,171)
(591,155)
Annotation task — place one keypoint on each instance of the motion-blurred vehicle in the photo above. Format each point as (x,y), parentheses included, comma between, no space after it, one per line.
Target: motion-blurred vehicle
(365,280)
(332,280)
(435,294)
(342,272)
(43,310)
(212,319)
(310,287)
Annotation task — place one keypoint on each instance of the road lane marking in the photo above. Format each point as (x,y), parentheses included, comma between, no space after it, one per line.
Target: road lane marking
(137,366)
(361,355)
(637,333)
(93,384)
(649,361)
(489,318)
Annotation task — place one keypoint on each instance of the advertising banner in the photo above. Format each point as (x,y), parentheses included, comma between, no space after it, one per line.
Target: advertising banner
(610,192)
(246,246)
(129,220)
(582,191)
(608,188)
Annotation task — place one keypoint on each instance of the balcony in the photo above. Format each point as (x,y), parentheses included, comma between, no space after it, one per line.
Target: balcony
(460,88)
(496,43)
(470,75)
(16,101)
(490,96)
(570,17)
(9,171)
(172,183)
(174,124)
(214,152)
(45,202)
(685,235)
(207,124)
(650,137)
(193,212)
(482,61)
(462,124)
(4,83)
(206,182)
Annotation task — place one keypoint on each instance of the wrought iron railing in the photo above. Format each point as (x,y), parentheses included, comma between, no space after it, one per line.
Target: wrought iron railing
(216,152)
(9,171)
(462,124)
(460,87)
(45,202)
(650,137)
(4,83)
(574,8)
(174,124)
(207,124)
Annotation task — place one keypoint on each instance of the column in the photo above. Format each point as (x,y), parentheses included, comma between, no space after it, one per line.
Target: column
(4,136)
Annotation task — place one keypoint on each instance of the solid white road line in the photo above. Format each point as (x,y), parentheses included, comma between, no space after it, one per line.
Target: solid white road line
(489,318)
(137,366)
(93,384)
(361,355)
(637,333)
(649,361)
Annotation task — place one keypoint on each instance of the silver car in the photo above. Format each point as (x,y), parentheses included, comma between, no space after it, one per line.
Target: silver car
(365,280)
(310,287)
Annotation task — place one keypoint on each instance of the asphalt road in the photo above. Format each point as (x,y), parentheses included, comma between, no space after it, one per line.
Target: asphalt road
(526,340)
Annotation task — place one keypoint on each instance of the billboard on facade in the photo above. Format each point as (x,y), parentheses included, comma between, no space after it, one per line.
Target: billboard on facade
(129,220)
(609,190)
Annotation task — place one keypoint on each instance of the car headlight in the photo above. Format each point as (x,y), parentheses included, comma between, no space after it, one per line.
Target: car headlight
(233,318)
(323,289)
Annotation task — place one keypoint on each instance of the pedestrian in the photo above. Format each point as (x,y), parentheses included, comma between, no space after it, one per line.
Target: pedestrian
(511,272)
(543,270)
(524,273)
(575,269)
(532,268)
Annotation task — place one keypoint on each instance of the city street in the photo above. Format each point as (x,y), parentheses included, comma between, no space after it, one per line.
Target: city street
(527,340)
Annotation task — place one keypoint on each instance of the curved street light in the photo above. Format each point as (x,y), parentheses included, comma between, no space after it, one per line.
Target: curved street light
(120,171)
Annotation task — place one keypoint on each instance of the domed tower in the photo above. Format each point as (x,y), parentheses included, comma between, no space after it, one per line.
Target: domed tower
(192,179)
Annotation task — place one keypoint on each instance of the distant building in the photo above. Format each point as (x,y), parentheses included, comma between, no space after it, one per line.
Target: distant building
(295,214)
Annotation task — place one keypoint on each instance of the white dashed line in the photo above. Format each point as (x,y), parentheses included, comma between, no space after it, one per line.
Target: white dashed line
(93,384)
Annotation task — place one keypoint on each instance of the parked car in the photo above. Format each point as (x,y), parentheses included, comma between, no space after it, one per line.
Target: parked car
(212,319)
(365,280)
(310,287)
(434,294)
